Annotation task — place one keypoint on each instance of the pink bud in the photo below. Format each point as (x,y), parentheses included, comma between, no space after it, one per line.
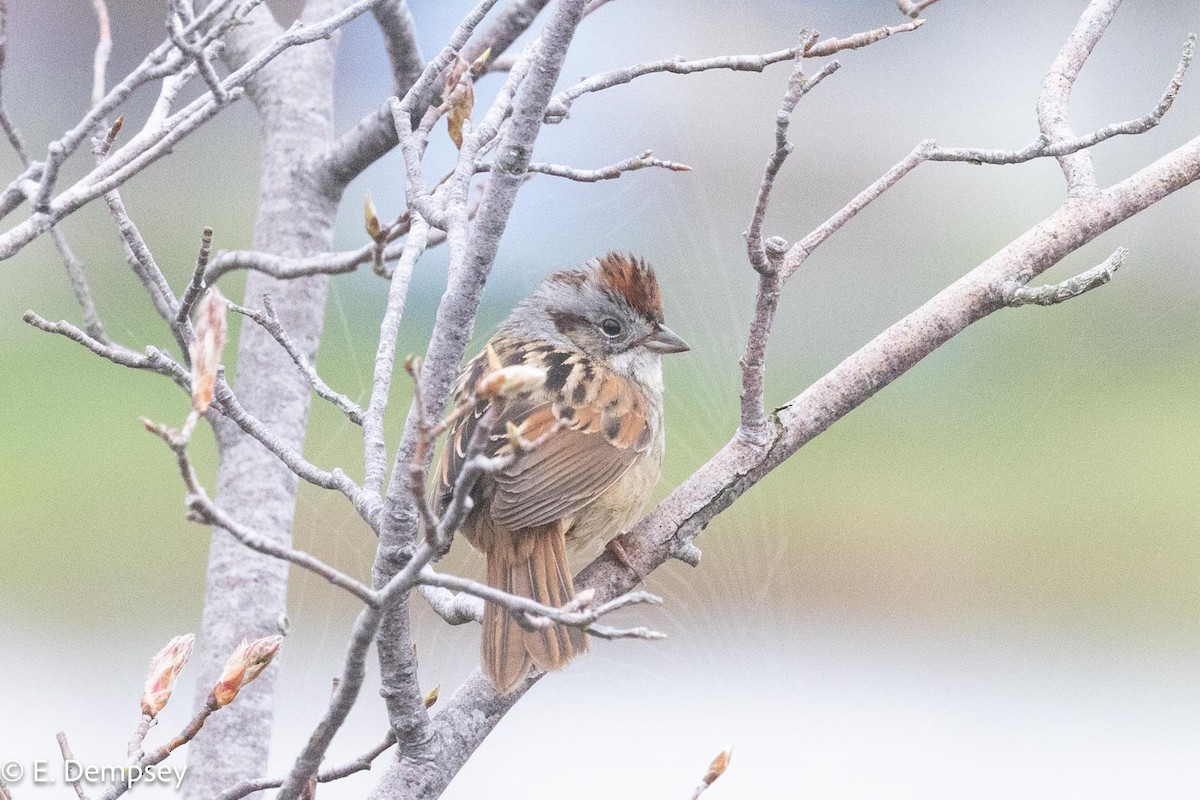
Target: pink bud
(211,333)
(246,664)
(164,669)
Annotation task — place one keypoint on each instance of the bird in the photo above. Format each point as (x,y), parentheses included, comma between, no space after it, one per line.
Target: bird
(596,423)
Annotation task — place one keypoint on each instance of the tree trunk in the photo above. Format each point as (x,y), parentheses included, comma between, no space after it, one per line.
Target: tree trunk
(246,591)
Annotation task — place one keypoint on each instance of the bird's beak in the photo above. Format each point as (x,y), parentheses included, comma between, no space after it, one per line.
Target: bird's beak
(664,340)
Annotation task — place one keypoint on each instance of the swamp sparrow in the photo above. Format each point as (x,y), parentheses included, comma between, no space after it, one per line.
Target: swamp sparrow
(598,333)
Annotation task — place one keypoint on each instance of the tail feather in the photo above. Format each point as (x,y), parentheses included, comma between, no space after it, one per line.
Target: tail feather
(503,655)
(530,563)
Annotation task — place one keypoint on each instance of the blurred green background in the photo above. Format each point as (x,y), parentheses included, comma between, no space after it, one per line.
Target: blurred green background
(983,582)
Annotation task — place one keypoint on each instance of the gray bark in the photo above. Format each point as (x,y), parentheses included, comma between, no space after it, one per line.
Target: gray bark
(247,591)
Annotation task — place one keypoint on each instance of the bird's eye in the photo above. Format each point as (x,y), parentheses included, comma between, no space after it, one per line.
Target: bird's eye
(610,327)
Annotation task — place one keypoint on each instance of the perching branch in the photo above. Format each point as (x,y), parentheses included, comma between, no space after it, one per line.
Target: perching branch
(581,612)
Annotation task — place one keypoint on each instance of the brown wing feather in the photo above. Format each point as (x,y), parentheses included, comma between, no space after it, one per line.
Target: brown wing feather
(597,438)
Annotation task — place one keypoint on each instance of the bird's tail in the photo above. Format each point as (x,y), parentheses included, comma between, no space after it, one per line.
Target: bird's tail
(532,563)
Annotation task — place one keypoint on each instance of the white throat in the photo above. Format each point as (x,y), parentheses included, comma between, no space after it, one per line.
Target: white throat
(642,366)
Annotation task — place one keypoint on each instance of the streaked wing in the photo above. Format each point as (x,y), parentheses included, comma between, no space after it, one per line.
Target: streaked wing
(589,433)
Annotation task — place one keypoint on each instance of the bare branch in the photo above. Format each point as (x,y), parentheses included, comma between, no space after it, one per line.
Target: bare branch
(1056,293)
(367,504)
(505,27)
(579,613)
(157,756)
(365,628)
(180,17)
(359,764)
(65,748)
(456,608)
(1055,97)
(560,105)
(374,443)
(205,511)
(103,50)
(137,252)
(593,6)
(10,130)
(608,173)
(670,529)
(798,85)
(913,8)
(152,144)
(269,321)
(154,359)
(765,256)
(1043,146)
(400,40)
(392,593)
(472,253)
(196,286)
(799,252)
(76,273)
(376,133)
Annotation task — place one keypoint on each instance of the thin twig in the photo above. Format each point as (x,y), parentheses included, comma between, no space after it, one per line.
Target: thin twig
(359,764)
(374,442)
(1044,146)
(176,20)
(268,320)
(68,757)
(134,749)
(1055,98)
(196,286)
(150,145)
(765,257)
(77,275)
(580,612)
(76,272)
(157,756)
(153,360)
(913,8)
(205,511)
(103,51)
(366,503)
(10,130)
(798,85)
(560,105)
(226,402)
(1054,294)
(608,173)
